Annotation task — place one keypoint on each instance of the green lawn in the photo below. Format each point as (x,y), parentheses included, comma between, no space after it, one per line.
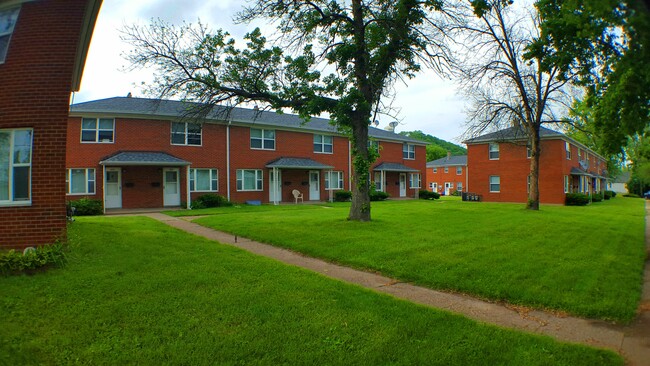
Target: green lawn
(138,292)
(587,261)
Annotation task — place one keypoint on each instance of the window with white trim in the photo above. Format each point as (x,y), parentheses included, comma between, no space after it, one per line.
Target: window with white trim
(262,139)
(415,180)
(529,151)
(567,147)
(204,180)
(446,169)
(333,180)
(249,180)
(408,151)
(528,184)
(80,181)
(8,19)
(378,184)
(495,183)
(323,144)
(184,133)
(459,170)
(566,184)
(15,166)
(99,130)
(494,151)
(435,170)
(459,186)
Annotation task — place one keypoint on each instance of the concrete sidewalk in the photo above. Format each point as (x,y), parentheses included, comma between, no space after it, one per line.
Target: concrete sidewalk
(633,341)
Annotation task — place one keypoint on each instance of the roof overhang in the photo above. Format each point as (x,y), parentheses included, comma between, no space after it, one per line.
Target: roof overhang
(297,163)
(393,167)
(142,158)
(88,25)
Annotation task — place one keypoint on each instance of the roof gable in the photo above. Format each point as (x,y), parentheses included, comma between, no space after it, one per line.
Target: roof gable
(448,161)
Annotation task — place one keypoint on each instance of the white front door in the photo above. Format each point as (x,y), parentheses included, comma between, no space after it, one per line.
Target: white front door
(447,188)
(113,188)
(171,188)
(314,185)
(402,184)
(435,187)
(275,186)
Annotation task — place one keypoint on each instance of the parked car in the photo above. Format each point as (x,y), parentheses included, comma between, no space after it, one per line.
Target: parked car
(647,195)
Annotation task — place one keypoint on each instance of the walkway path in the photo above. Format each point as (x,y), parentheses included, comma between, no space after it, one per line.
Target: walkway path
(633,342)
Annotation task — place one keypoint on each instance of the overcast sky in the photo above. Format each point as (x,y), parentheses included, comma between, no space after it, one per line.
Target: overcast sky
(427,103)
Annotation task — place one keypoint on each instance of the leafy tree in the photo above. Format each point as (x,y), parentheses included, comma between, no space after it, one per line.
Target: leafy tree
(437,148)
(336,57)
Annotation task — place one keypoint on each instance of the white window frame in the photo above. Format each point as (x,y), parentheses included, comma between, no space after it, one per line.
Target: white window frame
(446,169)
(528,184)
(435,170)
(529,151)
(186,134)
(11,167)
(415,180)
(567,148)
(320,145)
(88,177)
(497,183)
(241,180)
(566,184)
(493,151)
(333,176)
(459,186)
(97,130)
(214,179)
(459,170)
(263,139)
(12,14)
(379,185)
(408,151)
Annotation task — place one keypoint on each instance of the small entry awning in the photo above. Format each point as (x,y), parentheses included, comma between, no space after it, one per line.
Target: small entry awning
(393,167)
(143,158)
(297,163)
(578,171)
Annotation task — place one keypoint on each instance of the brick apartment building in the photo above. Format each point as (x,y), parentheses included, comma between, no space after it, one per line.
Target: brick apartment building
(145,153)
(43,46)
(447,175)
(499,167)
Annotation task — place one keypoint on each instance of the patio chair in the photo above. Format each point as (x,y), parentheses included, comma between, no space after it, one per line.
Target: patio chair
(297,195)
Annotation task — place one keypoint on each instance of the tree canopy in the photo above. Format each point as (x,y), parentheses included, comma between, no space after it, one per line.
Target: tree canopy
(437,148)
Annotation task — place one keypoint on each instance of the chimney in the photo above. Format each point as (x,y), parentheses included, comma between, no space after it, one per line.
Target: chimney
(448,154)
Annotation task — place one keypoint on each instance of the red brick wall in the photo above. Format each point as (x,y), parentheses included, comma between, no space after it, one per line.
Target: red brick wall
(391,152)
(36,81)
(440,177)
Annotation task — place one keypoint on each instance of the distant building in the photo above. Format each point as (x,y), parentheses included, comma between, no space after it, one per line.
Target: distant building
(447,175)
(619,184)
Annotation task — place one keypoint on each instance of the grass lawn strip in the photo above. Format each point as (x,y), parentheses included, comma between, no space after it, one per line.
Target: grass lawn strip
(587,261)
(138,292)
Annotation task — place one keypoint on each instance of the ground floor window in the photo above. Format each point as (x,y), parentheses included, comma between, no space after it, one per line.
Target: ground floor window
(459,186)
(249,180)
(566,184)
(414,180)
(80,181)
(334,180)
(15,165)
(378,183)
(495,183)
(204,180)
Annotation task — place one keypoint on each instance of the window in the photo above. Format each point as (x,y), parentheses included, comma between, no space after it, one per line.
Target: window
(80,181)
(459,170)
(408,151)
(333,180)
(204,180)
(529,151)
(323,144)
(15,166)
(262,139)
(435,170)
(184,133)
(494,151)
(414,180)
(528,184)
(249,180)
(567,147)
(459,186)
(97,130)
(446,169)
(8,20)
(495,183)
(579,153)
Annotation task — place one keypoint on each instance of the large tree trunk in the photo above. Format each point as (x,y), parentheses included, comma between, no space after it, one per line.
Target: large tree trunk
(533,195)
(360,209)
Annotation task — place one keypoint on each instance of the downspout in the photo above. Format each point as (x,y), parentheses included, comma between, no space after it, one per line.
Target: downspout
(466,178)
(187,187)
(228,158)
(349,165)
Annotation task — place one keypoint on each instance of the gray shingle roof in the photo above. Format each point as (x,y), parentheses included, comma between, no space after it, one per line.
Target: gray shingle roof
(448,161)
(142,158)
(512,133)
(393,167)
(578,171)
(172,109)
(297,163)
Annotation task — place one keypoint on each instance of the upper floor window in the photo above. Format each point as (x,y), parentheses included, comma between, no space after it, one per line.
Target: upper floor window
(373,145)
(446,169)
(494,151)
(435,170)
(459,170)
(408,151)
(204,180)
(323,144)
(15,166)
(97,130)
(8,18)
(80,181)
(567,147)
(333,180)
(262,139)
(184,133)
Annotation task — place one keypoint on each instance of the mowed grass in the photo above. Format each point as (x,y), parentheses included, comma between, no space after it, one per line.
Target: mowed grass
(138,292)
(587,261)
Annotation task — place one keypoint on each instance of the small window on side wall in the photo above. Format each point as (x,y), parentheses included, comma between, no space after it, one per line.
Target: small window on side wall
(8,19)
(494,151)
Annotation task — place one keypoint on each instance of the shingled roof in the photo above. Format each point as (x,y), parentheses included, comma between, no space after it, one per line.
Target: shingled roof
(511,134)
(174,110)
(448,161)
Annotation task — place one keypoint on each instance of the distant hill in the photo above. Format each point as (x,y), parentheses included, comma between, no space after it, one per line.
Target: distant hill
(438,148)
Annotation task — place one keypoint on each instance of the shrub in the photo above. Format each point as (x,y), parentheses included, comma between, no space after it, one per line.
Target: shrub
(607,195)
(87,207)
(428,195)
(632,195)
(612,193)
(342,196)
(576,199)
(457,193)
(30,260)
(596,197)
(378,195)
(210,200)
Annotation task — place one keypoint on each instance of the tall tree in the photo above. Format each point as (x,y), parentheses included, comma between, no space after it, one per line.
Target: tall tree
(505,88)
(365,45)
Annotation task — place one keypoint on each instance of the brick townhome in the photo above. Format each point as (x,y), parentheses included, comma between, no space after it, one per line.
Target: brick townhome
(43,46)
(447,175)
(499,167)
(145,153)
